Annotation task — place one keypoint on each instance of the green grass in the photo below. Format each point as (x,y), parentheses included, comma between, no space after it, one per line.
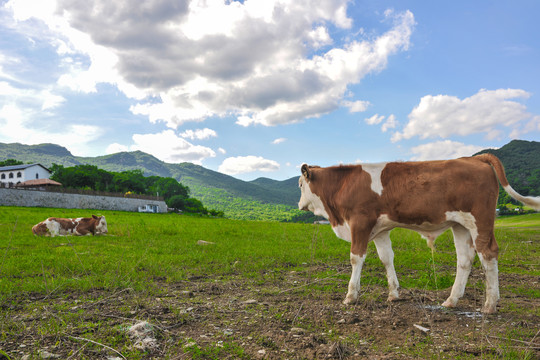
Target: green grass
(528,220)
(143,247)
(144,251)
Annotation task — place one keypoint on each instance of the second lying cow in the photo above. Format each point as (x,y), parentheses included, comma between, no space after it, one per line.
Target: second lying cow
(95,225)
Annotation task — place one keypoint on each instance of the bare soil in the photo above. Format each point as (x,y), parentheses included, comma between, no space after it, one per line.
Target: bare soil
(277,316)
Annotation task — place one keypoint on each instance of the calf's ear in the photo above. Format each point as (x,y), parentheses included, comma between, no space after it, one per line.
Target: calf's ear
(305,171)
(95,217)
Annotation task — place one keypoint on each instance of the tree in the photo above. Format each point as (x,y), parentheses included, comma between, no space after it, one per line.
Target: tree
(168,187)
(82,176)
(131,180)
(195,206)
(177,202)
(10,162)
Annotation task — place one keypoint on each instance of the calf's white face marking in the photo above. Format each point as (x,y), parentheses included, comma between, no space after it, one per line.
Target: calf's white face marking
(101,227)
(309,200)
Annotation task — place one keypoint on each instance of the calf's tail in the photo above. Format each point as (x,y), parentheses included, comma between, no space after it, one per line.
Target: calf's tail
(498,167)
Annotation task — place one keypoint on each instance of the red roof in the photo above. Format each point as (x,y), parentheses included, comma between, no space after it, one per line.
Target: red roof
(39,182)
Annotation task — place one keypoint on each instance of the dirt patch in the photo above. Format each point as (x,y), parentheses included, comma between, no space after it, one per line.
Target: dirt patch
(283,316)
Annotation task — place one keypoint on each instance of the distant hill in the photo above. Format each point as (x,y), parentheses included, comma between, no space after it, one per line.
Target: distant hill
(521,160)
(260,199)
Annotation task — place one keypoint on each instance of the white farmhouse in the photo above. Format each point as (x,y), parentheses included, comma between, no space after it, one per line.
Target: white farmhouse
(12,175)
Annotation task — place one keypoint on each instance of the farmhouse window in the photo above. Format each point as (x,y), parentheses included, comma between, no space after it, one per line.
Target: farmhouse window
(37,176)
(3,176)
(19,174)
(11,175)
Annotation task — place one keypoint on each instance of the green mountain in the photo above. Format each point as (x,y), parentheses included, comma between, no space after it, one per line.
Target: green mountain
(260,199)
(521,160)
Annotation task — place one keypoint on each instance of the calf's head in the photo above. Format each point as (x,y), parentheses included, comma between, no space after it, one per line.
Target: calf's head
(309,200)
(101,225)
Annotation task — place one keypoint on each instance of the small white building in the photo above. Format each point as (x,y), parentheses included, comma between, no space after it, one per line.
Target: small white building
(149,208)
(12,175)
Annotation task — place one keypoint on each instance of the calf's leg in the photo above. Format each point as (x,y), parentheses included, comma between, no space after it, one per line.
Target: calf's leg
(359,238)
(492,283)
(386,254)
(488,251)
(357,262)
(465,256)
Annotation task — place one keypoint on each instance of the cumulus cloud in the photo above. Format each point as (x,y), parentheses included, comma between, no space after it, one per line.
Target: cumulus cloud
(374,120)
(445,149)
(356,106)
(279,141)
(390,123)
(199,134)
(166,146)
(444,115)
(247,164)
(19,109)
(265,62)
(116,148)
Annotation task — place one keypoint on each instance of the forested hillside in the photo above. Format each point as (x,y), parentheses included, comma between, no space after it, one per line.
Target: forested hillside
(261,199)
(521,160)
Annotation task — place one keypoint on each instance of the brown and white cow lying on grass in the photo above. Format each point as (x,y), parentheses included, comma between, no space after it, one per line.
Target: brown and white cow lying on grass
(95,225)
(365,202)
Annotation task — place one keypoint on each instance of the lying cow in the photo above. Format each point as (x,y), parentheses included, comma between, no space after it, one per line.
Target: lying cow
(95,225)
(365,202)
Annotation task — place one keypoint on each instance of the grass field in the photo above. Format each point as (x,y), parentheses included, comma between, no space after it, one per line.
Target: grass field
(260,290)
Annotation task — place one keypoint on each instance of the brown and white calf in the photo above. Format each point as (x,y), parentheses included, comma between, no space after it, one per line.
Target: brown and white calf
(95,225)
(365,202)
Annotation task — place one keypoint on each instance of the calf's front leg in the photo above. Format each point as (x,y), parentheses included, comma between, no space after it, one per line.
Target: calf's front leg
(357,262)
(358,256)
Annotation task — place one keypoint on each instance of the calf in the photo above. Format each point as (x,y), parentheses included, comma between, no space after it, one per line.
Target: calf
(95,225)
(365,202)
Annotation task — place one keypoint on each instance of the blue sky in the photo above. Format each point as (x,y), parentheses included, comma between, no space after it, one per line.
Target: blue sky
(256,88)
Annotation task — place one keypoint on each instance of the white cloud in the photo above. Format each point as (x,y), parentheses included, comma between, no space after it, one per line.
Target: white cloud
(199,134)
(356,106)
(445,149)
(374,120)
(390,123)
(247,164)
(17,126)
(116,148)
(187,61)
(27,116)
(222,151)
(168,147)
(279,141)
(530,126)
(444,115)
(51,100)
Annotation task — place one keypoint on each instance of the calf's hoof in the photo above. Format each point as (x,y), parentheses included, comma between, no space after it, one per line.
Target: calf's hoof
(349,300)
(393,296)
(449,303)
(489,309)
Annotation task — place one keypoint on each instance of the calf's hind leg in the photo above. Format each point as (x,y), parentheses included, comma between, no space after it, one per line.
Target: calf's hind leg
(386,254)
(465,256)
